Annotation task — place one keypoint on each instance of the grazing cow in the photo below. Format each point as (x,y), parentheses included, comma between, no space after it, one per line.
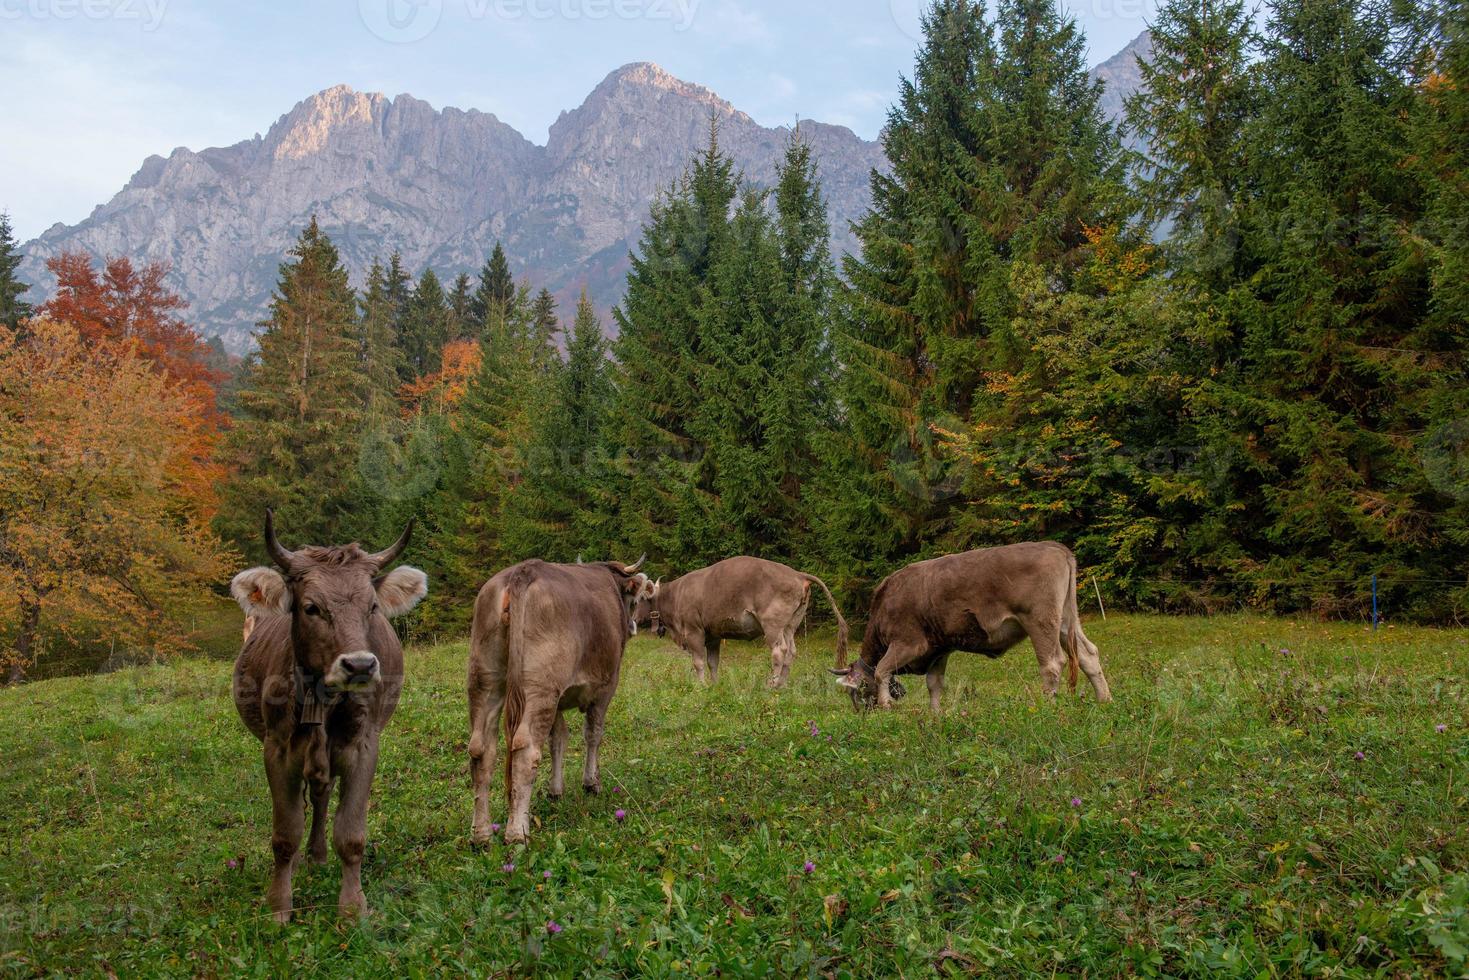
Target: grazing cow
(740,598)
(545,638)
(983,601)
(316,681)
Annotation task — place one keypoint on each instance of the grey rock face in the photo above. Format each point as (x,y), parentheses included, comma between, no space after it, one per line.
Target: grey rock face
(441,187)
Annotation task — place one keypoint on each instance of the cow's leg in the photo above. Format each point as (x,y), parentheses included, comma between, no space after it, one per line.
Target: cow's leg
(935,678)
(1045,635)
(700,657)
(486,697)
(524,751)
(321,796)
(898,656)
(358,764)
(558,756)
(788,653)
(776,642)
(596,723)
(713,645)
(1091,665)
(288,822)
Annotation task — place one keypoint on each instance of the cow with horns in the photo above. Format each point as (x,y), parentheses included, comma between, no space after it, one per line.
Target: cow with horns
(316,681)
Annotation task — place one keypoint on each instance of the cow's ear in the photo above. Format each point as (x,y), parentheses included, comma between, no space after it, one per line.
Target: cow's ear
(400,590)
(635,585)
(261,591)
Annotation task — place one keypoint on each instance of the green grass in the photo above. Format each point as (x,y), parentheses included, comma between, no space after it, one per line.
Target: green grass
(1224,823)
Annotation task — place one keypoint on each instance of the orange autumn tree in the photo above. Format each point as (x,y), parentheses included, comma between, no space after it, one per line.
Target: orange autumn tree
(123,303)
(103,538)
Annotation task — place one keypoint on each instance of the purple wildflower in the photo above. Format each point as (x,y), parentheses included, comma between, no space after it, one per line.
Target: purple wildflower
(1440,728)
(814,730)
(619,815)
(1360,756)
(546,875)
(507,867)
(808,867)
(494,828)
(232,864)
(553,927)
(1076,801)
(1059,859)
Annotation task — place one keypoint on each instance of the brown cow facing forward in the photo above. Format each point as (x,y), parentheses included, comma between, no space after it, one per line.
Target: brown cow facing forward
(740,598)
(316,681)
(545,638)
(983,601)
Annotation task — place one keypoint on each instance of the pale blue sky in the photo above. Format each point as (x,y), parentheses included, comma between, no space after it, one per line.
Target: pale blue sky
(97,85)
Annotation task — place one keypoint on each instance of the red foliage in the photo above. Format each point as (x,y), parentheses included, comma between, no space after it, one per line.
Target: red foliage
(124,304)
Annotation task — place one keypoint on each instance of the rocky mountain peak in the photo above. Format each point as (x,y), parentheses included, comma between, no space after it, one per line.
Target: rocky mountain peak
(443,186)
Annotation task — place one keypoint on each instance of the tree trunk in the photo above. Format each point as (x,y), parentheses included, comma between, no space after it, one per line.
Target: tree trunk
(25,644)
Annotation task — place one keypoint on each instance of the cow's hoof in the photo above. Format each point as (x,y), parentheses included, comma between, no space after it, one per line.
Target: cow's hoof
(318,854)
(352,908)
(281,916)
(553,796)
(516,837)
(591,789)
(481,838)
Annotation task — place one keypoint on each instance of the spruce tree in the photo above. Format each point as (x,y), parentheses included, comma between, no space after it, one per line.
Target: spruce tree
(426,326)
(496,287)
(461,309)
(294,445)
(381,356)
(13,309)
(544,324)
(659,356)
(558,512)
(1190,112)
(1340,369)
(484,445)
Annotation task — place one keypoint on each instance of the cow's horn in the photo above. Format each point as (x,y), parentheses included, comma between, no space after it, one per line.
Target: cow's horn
(578,558)
(629,569)
(383,558)
(840,673)
(278,554)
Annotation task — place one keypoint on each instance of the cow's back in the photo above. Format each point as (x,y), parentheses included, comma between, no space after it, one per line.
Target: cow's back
(962,600)
(727,589)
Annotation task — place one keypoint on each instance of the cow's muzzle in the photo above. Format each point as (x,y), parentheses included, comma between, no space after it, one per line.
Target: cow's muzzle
(353,670)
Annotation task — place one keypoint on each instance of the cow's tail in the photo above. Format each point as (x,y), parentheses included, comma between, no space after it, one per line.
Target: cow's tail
(512,621)
(1071,624)
(842,634)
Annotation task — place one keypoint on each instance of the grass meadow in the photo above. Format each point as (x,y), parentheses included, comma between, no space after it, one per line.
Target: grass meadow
(1265,797)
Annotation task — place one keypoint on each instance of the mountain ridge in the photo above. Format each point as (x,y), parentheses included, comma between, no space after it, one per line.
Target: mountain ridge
(441,186)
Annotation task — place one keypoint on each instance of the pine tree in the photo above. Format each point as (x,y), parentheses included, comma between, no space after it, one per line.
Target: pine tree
(659,357)
(496,287)
(13,309)
(544,324)
(1340,370)
(558,512)
(1444,119)
(461,305)
(485,441)
(382,358)
(294,446)
(1197,95)
(426,327)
